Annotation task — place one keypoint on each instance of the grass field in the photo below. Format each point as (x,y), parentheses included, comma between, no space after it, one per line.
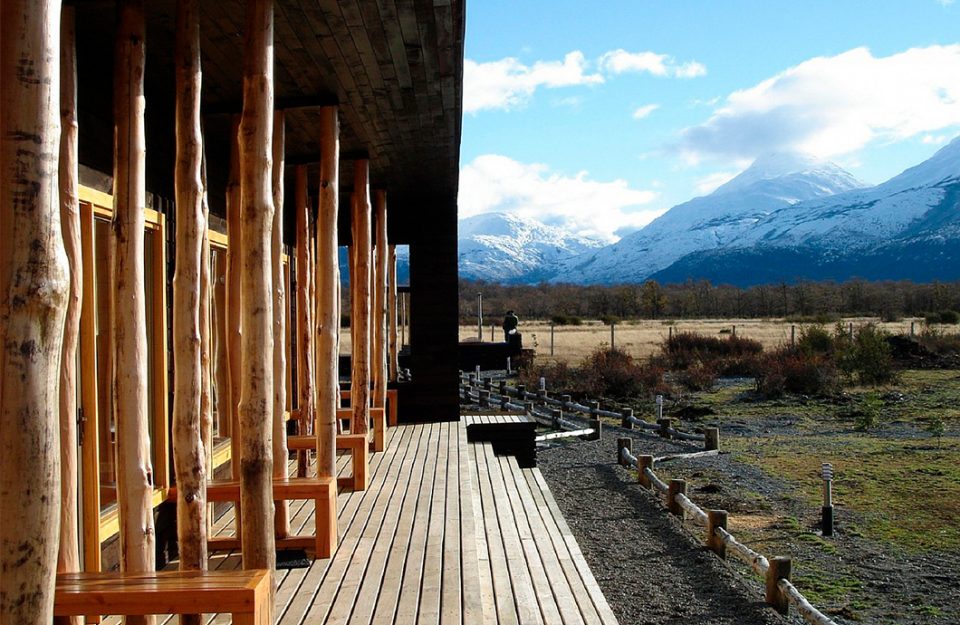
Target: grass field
(642,339)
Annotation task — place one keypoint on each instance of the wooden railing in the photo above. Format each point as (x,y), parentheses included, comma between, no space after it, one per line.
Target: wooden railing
(780,592)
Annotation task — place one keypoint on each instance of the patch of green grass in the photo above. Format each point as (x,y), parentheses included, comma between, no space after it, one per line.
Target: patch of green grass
(820,586)
(905,492)
(930,610)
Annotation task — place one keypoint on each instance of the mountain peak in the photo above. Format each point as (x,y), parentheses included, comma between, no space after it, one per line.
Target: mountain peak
(785,165)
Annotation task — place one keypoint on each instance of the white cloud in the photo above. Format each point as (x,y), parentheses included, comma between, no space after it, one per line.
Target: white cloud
(945,3)
(835,105)
(644,111)
(711,182)
(578,204)
(620,61)
(508,83)
(935,139)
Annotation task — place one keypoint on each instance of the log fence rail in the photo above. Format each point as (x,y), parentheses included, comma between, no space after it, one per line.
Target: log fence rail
(780,592)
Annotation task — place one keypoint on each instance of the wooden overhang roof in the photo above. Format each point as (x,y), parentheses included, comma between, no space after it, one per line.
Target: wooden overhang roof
(394,68)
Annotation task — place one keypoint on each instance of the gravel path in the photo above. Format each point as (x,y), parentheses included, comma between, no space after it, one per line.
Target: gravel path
(650,568)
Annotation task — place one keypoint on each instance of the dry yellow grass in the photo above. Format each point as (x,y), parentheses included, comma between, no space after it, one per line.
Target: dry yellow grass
(642,339)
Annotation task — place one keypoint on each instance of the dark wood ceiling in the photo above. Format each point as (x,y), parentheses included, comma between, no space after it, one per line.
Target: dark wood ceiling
(394,67)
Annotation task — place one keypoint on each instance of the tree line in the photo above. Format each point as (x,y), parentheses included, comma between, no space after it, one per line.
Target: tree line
(701,299)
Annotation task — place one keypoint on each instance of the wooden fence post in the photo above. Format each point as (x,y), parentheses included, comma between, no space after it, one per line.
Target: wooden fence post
(664,424)
(711,438)
(677,487)
(716,519)
(644,463)
(565,401)
(623,443)
(521,392)
(625,422)
(597,424)
(779,569)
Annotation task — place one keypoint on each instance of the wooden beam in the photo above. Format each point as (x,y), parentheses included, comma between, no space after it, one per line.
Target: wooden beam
(360,299)
(305,373)
(281,521)
(34,285)
(256,310)
(135,478)
(328,286)
(393,352)
(379,319)
(189,453)
(69,555)
(89,396)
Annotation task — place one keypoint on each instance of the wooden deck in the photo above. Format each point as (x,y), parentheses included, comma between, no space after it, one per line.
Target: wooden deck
(446,533)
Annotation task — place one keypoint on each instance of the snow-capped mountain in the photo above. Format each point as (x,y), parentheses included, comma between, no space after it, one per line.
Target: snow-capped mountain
(905,228)
(772,183)
(506,248)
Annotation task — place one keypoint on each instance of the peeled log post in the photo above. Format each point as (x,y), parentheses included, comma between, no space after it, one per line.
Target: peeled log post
(328,288)
(189,454)
(305,372)
(281,521)
(129,320)
(68,560)
(360,299)
(256,284)
(392,354)
(234,270)
(379,347)
(34,285)
(206,338)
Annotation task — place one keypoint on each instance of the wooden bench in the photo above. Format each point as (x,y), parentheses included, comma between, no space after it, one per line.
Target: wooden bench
(322,490)
(359,450)
(391,404)
(243,594)
(346,414)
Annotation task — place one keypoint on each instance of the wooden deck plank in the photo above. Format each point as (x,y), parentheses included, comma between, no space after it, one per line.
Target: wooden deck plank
(321,579)
(408,605)
(416,498)
(543,585)
(506,607)
(386,561)
(525,581)
(431,578)
(565,582)
(472,590)
(484,572)
(339,606)
(534,477)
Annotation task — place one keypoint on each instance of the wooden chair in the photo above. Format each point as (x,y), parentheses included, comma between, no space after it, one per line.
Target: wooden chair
(243,594)
(323,491)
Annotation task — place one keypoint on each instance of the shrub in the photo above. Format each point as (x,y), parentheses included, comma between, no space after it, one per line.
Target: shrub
(609,320)
(949,317)
(605,372)
(790,370)
(866,355)
(815,339)
(564,319)
(731,355)
(939,342)
(867,416)
(699,377)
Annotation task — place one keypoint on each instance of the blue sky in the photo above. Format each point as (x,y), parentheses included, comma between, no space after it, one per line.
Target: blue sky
(598,116)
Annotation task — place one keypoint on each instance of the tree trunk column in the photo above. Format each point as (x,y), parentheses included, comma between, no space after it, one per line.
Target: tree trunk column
(360,299)
(256,309)
(380,302)
(305,373)
(34,285)
(230,406)
(189,452)
(134,470)
(282,523)
(328,287)
(69,556)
